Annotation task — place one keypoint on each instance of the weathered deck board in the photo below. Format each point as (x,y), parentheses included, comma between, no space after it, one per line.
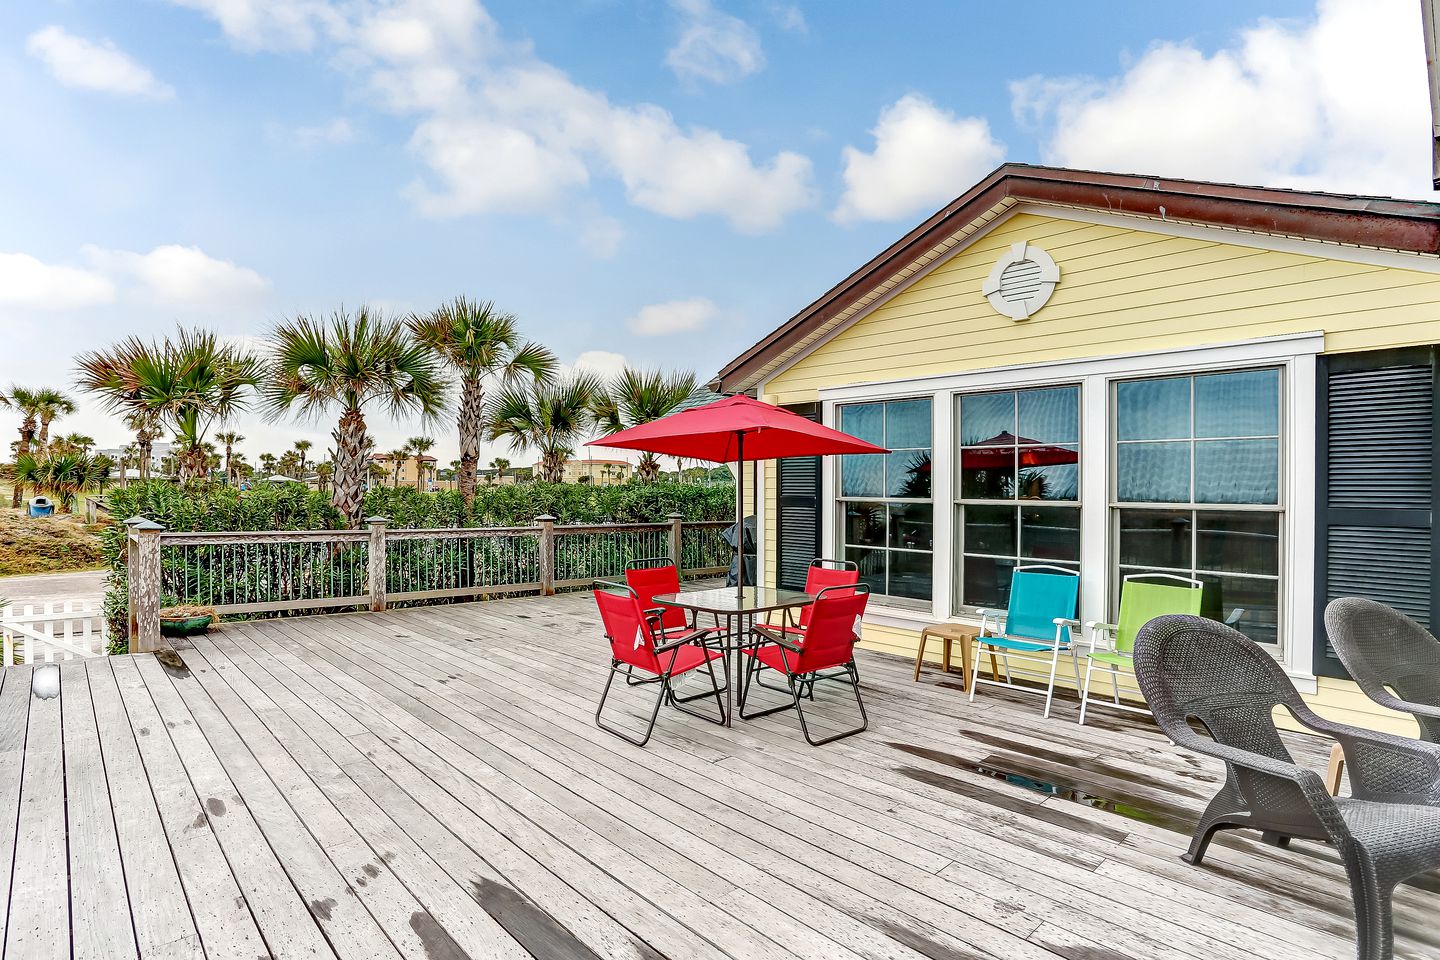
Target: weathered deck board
(429,783)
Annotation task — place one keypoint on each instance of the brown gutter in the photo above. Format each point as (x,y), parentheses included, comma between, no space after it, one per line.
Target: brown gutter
(1403,225)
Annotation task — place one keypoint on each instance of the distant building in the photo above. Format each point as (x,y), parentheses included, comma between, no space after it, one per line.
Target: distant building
(408,473)
(602,473)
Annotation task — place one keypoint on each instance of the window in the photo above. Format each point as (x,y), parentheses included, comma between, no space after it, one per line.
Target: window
(886,513)
(1018,493)
(1197,489)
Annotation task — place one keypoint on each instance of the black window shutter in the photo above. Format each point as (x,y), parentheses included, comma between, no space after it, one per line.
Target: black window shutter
(797,511)
(1375,486)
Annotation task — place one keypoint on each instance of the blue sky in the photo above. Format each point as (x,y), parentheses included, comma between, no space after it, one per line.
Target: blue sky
(658,181)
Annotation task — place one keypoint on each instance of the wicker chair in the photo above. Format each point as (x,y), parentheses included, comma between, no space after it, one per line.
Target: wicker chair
(1385,650)
(1388,831)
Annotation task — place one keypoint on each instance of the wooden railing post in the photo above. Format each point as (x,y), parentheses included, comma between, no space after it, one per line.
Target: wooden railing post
(547,554)
(376,567)
(145,588)
(677,539)
(131,550)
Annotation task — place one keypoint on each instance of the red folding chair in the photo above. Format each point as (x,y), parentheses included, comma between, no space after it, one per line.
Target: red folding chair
(654,575)
(822,574)
(829,642)
(638,643)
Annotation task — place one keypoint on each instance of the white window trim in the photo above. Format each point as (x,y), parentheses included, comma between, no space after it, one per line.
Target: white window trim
(1295,353)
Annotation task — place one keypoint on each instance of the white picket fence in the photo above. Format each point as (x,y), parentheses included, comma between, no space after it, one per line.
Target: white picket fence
(53,631)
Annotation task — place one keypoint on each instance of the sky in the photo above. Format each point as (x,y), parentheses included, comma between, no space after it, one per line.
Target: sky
(655,182)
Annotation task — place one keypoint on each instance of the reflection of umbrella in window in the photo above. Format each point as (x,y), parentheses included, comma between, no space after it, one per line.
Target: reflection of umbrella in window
(998,453)
(991,464)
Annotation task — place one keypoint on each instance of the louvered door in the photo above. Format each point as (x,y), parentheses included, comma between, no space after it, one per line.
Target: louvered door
(797,511)
(1376,482)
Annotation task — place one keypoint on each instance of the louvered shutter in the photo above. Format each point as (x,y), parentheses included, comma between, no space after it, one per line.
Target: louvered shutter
(797,511)
(1375,486)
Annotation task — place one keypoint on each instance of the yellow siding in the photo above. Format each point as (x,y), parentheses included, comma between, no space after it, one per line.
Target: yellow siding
(1122,290)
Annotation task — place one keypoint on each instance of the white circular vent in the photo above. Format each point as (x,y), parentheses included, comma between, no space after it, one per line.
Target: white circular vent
(1021,281)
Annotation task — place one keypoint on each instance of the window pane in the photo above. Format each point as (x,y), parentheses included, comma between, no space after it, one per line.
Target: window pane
(1238,542)
(908,474)
(1050,533)
(1049,473)
(985,416)
(1153,409)
(865,524)
(989,530)
(1247,604)
(986,582)
(1050,416)
(907,424)
(987,473)
(1153,472)
(862,475)
(872,567)
(1155,538)
(1238,404)
(912,526)
(1237,471)
(864,420)
(910,574)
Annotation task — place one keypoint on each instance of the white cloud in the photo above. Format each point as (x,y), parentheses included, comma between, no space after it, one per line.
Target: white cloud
(601,237)
(91,65)
(1337,102)
(269,24)
(34,285)
(788,17)
(601,362)
(336,132)
(713,46)
(503,131)
(923,157)
(673,316)
(174,274)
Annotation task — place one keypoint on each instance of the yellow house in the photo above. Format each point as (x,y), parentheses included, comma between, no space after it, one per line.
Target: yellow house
(1120,374)
(411,471)
(602,473)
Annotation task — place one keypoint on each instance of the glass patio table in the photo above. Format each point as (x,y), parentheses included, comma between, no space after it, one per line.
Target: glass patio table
(738,609)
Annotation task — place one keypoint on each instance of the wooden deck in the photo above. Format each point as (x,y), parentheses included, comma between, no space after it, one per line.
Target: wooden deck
(428,783)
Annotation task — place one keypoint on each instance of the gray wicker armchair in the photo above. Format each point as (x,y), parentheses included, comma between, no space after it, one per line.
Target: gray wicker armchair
(1385,650)
(1389,830)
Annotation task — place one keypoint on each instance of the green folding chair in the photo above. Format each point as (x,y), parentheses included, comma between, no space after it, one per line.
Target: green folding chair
(1143,597)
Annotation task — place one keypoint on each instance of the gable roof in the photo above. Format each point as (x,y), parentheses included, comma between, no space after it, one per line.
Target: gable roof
(1378,222)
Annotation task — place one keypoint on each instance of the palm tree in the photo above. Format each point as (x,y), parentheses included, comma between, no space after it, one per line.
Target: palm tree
(637,396)
(267,463)
(500,465)
(397,458)
(63,475)
(302,447)
(188,383)
(128,454)
(53,405)
(552,418)
(230,438)
(74,443)
(480,342)
(27,402)
(418,446)
(345,363)
(146,427)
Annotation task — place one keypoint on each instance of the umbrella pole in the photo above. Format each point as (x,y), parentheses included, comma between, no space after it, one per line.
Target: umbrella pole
(740,512)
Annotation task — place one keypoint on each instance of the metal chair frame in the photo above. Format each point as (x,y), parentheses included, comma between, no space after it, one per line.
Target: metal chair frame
(797,682)
(664,679)
(790,624)
(1110,631)
(1064,640)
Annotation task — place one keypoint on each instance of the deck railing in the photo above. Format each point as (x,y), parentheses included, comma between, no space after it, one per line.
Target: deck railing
(278,571)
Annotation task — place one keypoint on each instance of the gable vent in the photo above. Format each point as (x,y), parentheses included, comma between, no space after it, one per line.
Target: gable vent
(1021,282)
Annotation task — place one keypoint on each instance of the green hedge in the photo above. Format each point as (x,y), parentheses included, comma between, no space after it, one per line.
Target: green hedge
(292,506)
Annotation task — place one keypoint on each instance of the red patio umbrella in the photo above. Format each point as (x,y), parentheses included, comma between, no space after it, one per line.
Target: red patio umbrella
(736,430)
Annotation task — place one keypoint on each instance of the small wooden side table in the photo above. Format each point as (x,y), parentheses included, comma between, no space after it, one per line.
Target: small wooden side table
(949,633)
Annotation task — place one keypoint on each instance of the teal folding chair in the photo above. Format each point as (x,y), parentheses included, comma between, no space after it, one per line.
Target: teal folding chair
(1143,597)
(1037,627)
